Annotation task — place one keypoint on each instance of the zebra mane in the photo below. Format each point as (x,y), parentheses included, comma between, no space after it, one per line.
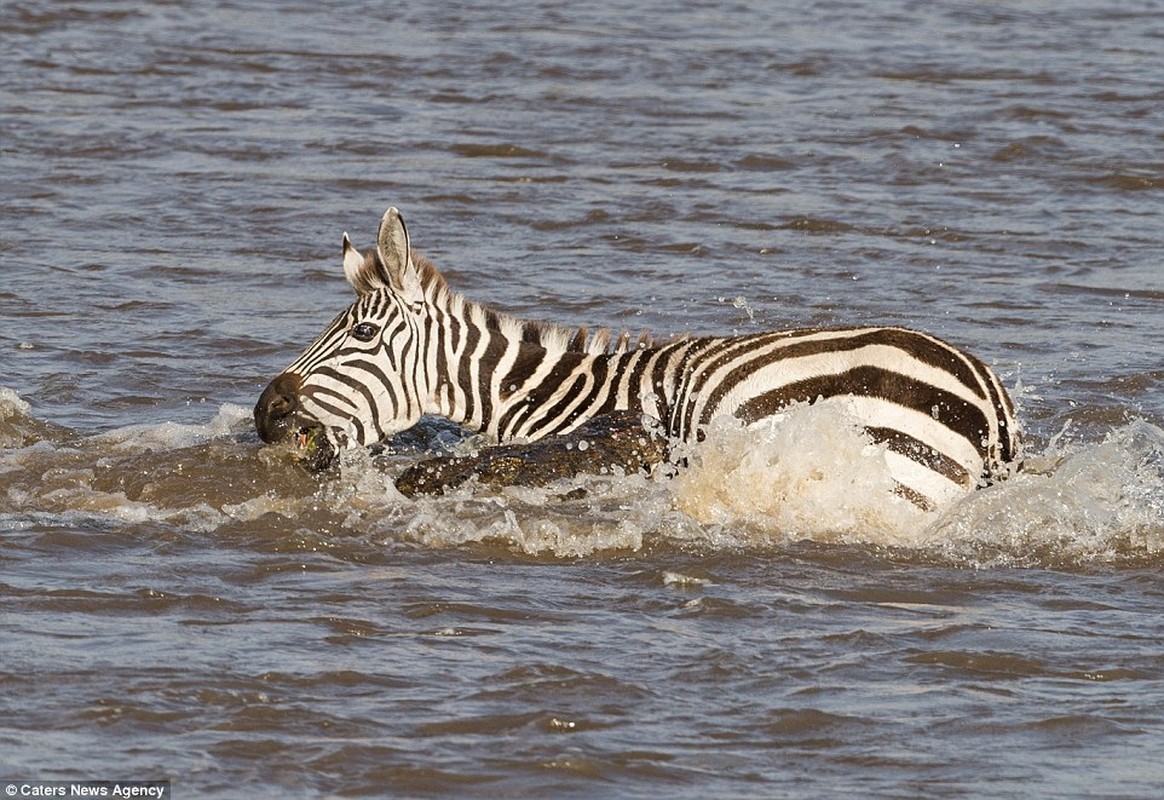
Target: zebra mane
(553,337)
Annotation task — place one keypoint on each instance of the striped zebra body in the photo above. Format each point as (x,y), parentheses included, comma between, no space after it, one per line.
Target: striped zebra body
(409,346)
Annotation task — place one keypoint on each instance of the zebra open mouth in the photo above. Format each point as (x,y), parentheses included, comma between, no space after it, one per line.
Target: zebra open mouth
(315,452)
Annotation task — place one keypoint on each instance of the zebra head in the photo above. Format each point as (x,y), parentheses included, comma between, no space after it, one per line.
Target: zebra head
(359,381)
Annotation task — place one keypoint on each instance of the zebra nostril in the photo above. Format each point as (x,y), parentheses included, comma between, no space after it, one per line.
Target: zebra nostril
(278,402)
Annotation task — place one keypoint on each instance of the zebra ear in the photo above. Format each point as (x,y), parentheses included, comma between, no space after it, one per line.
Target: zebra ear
(395,253)
(361,272)
(364,273)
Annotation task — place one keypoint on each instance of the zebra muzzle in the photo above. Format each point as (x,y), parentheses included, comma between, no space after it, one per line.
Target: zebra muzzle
(277,411)
(279,418)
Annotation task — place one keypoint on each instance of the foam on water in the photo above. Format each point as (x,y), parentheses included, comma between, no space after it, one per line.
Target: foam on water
(12,405)
(811,475)
(230,419)
(72,481)
(612,514)
(1078,502)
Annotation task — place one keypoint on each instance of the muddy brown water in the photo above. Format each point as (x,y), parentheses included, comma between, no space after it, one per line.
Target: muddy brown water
(177,602)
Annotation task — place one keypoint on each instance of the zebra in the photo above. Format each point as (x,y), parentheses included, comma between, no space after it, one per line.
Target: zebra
(410,346)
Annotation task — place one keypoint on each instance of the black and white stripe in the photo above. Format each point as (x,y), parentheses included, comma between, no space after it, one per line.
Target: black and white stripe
(409,346)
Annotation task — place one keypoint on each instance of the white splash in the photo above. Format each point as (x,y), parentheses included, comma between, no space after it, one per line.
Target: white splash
(809,473)
(12,406)
(229,420)
(1084,502)
(14,416)
(813,475)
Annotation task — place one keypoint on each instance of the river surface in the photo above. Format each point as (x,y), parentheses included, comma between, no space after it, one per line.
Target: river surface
(178,602)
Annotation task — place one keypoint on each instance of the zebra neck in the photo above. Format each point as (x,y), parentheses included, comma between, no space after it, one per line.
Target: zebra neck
(513,379)
(568,389)
(526,392)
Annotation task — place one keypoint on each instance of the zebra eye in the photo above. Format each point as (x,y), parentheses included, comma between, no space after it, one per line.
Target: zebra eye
(365,331)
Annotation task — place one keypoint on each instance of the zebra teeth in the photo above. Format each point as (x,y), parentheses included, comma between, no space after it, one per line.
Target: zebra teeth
(308,436)
(315,452)
(304,436)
